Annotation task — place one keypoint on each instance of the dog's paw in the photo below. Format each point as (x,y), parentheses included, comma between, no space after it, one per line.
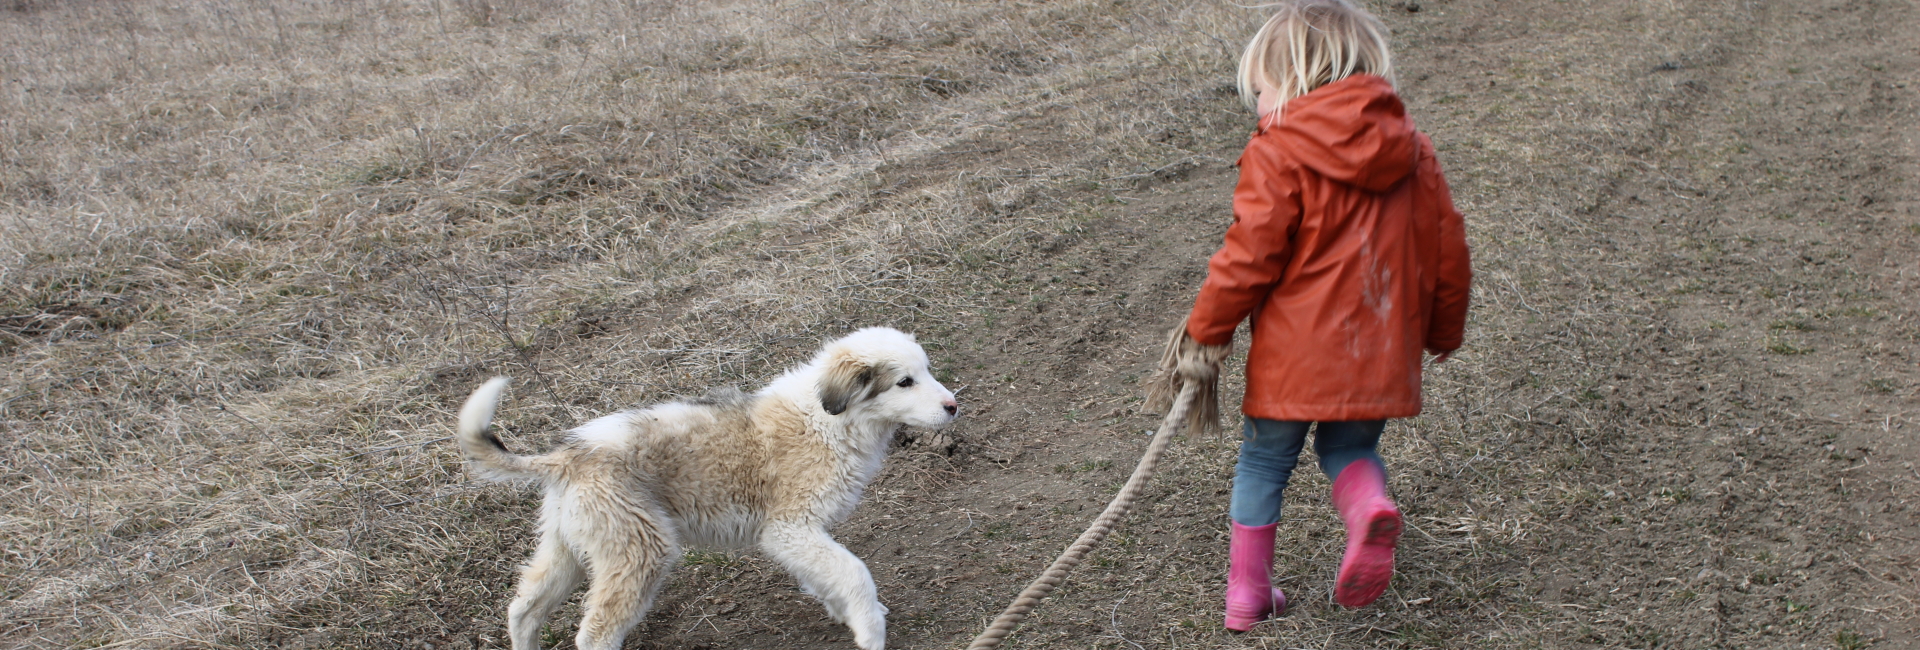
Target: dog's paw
(871,640)
(870,631)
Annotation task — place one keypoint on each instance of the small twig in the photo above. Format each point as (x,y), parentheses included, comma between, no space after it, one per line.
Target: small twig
(963,531)
(1423,532)
(1113,618)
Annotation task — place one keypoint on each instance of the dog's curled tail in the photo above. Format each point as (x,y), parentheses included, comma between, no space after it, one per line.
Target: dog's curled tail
(490,457)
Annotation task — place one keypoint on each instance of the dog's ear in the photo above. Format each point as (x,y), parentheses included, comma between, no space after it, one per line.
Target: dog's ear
(845,377)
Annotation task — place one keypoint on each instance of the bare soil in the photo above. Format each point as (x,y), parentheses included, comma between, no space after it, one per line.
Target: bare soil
(255,257)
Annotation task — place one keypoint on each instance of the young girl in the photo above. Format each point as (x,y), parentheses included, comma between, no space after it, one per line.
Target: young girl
(1347,252)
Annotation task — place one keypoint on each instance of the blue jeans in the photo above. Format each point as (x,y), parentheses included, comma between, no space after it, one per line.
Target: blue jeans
(1270,448)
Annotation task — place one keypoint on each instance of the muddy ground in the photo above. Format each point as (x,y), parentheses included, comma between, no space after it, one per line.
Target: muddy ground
(1685,415)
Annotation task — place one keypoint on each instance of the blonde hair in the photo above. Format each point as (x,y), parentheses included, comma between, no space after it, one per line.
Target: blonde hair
(1311,43)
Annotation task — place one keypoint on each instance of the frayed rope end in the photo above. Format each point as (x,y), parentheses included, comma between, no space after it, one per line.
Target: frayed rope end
(1186,360)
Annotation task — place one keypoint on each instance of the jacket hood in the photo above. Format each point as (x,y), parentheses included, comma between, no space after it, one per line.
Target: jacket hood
(1354,131)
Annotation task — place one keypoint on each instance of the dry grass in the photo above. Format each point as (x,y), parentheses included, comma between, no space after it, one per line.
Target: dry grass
(254,254)
(254,251)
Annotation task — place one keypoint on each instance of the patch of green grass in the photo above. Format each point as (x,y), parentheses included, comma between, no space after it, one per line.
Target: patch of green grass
(1785,347)
(1849,640)
(97,640)
(1413,635)
(1881,385)
(703,557)
(1084,466)
(387,171)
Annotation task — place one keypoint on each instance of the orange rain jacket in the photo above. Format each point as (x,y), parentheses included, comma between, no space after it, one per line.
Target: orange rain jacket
(1348,252)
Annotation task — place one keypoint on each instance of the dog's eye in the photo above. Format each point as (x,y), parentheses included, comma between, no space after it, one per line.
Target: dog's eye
(904,383)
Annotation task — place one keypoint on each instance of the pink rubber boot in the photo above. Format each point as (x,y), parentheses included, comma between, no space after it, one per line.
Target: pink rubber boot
(1250,593)
(1373,529)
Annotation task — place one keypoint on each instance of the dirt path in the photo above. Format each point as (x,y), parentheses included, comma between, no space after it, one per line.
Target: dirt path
(1688,415)
(1685,417)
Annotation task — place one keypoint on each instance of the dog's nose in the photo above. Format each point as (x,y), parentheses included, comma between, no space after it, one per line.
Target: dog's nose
(951,406)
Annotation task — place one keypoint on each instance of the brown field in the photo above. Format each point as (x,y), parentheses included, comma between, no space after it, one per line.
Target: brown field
(252,256)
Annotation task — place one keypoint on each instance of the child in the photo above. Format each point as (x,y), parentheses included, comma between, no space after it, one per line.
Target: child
(1347,252)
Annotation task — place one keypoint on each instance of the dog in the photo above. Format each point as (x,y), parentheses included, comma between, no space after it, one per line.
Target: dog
(775,469)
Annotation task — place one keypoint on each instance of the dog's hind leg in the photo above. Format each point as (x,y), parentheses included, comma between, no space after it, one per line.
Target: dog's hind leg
(545,583)
(831,573)
(629,555)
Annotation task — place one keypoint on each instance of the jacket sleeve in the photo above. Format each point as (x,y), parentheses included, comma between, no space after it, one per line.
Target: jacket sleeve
(1259,244)
(1455,269)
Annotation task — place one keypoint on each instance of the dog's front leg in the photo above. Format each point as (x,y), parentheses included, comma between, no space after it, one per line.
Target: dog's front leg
(831,573)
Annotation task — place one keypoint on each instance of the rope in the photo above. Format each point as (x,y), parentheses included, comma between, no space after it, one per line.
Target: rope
(1004,624)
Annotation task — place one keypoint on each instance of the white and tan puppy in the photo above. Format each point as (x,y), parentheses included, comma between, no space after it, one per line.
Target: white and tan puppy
(774,469)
